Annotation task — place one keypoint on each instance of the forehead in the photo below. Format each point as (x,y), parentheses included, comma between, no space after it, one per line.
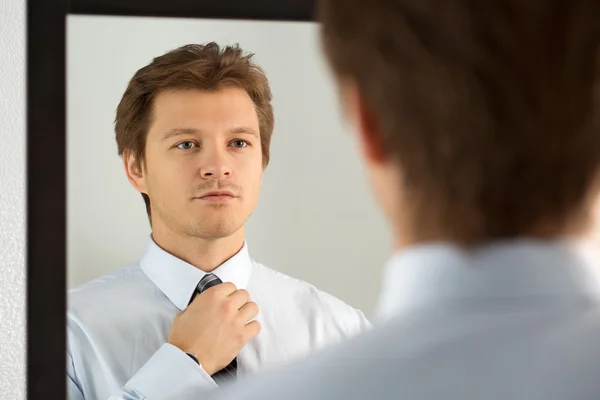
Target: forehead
(203,110)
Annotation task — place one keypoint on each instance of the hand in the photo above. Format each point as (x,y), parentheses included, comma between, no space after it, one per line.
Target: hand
(215,326)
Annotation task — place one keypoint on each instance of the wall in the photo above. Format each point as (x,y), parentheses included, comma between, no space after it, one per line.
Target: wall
(12,198)
(316,219)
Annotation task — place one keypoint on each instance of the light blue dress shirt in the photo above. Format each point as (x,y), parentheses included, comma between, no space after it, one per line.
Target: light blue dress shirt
(516,320)
(117,327)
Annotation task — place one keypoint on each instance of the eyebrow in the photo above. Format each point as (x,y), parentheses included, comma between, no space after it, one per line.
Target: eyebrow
(178,132)
(243,130)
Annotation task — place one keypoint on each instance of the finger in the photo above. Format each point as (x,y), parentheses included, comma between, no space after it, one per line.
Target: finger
(239,298)
(248,311)
(225,289)
(252,329)
(222,290)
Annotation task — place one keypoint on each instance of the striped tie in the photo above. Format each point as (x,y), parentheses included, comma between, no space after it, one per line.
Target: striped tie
(230,371)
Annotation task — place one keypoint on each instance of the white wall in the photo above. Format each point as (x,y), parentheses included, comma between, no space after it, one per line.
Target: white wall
(12,198)
(316,219)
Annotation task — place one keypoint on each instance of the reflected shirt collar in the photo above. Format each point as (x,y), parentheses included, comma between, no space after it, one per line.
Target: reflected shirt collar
(177,279)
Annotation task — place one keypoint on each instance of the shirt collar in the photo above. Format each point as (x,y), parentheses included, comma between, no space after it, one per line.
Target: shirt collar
(435,275)
(177,279)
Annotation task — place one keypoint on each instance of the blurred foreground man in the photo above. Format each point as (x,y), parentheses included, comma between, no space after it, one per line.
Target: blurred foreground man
(479,126)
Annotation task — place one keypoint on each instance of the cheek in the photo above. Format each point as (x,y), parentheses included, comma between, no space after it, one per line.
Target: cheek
(252,182)
(169,180)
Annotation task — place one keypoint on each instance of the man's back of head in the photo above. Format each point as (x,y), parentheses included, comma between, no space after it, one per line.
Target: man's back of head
(479,124)
(489,109)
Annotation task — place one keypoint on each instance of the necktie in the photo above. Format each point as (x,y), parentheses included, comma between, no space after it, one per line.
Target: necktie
(230,371)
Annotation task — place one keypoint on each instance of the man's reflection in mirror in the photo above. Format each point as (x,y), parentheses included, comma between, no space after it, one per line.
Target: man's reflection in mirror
(193,129)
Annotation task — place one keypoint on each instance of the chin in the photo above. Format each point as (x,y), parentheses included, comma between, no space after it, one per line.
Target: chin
(215,229)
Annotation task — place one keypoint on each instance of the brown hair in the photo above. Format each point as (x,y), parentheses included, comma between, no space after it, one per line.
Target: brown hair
(490,109)
(202,67)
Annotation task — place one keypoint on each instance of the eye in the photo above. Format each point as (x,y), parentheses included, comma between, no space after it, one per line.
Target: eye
(239,143)
(186,145)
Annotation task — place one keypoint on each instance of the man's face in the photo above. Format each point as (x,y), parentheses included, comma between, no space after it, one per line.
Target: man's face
(203,162)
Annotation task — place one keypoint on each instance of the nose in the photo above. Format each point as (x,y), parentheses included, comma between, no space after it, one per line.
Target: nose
(215,166)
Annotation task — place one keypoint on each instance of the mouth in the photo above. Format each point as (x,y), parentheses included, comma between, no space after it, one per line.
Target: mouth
(218,196)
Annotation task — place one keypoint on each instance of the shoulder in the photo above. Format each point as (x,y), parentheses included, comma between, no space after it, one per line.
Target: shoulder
(109,298)
(310,299)
(125,279)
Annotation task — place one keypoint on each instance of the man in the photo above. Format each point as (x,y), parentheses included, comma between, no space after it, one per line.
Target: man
(479,123)
(194,128)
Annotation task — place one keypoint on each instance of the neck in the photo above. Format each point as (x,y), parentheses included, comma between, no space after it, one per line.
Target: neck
(204,254)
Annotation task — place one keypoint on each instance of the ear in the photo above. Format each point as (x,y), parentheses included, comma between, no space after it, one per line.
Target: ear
(368,129)
(135,172)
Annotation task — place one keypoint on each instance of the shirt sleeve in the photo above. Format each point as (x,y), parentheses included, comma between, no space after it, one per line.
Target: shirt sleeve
(169,374)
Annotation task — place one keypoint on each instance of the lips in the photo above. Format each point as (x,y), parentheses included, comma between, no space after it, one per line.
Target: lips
(218,193)
(218,196)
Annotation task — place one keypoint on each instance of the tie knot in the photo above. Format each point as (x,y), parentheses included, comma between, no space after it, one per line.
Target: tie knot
(208,281)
